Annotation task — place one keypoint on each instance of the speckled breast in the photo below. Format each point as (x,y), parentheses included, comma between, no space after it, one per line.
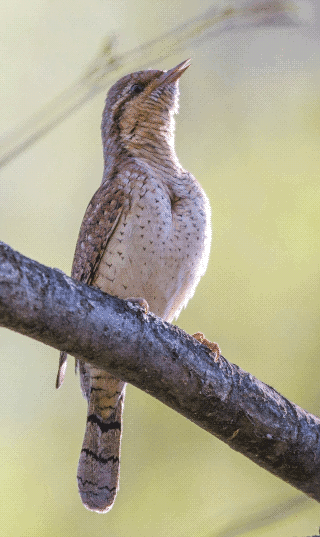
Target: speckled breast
(160,247)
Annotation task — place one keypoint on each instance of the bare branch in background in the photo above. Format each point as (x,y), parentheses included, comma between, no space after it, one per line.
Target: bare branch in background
(108,66)
(164,361)
(263,518)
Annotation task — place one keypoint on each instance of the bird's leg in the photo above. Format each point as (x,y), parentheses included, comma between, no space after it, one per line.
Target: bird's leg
(214,347)
(140,302)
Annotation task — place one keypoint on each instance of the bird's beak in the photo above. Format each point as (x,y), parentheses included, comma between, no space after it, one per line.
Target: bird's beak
(173,74)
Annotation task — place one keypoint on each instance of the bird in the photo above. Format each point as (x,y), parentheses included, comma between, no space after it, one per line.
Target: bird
(145,237)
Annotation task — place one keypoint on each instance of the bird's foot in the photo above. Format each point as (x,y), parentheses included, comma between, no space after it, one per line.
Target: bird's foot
(140,302)
(214,347)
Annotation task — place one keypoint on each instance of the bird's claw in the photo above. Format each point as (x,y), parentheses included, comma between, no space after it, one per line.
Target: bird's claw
(214,347)
(140,302)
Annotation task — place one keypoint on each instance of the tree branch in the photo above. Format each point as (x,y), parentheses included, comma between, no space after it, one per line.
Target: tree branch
(164,361)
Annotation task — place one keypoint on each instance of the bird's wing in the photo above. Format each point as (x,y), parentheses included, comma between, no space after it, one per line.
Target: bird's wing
(98,225)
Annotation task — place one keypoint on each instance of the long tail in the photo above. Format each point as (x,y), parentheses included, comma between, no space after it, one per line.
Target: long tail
(99,463)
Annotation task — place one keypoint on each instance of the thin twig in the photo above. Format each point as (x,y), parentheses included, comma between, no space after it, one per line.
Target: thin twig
(108,65)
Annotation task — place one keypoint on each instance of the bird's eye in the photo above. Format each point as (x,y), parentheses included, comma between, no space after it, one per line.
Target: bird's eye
(136,88)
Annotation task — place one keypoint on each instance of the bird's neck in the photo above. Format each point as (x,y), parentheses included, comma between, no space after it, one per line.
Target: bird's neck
(148,147)
(156,150)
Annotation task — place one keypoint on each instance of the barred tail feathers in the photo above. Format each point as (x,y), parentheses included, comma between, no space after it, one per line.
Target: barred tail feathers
(99,463)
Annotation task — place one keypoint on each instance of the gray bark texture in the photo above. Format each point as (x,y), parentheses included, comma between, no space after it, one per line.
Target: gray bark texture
(164,361)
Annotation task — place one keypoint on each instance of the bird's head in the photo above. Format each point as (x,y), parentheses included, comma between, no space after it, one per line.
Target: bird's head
(139,110)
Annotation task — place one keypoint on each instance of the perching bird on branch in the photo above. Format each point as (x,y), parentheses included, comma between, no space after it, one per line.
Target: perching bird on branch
(145,234)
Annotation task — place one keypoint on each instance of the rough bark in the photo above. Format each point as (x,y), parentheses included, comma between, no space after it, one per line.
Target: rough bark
(164,361)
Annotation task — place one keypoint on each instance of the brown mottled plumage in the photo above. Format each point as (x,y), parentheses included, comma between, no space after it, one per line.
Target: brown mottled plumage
(146,233)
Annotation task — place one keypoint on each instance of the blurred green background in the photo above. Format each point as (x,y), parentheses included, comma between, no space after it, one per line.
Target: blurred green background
(248,129)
